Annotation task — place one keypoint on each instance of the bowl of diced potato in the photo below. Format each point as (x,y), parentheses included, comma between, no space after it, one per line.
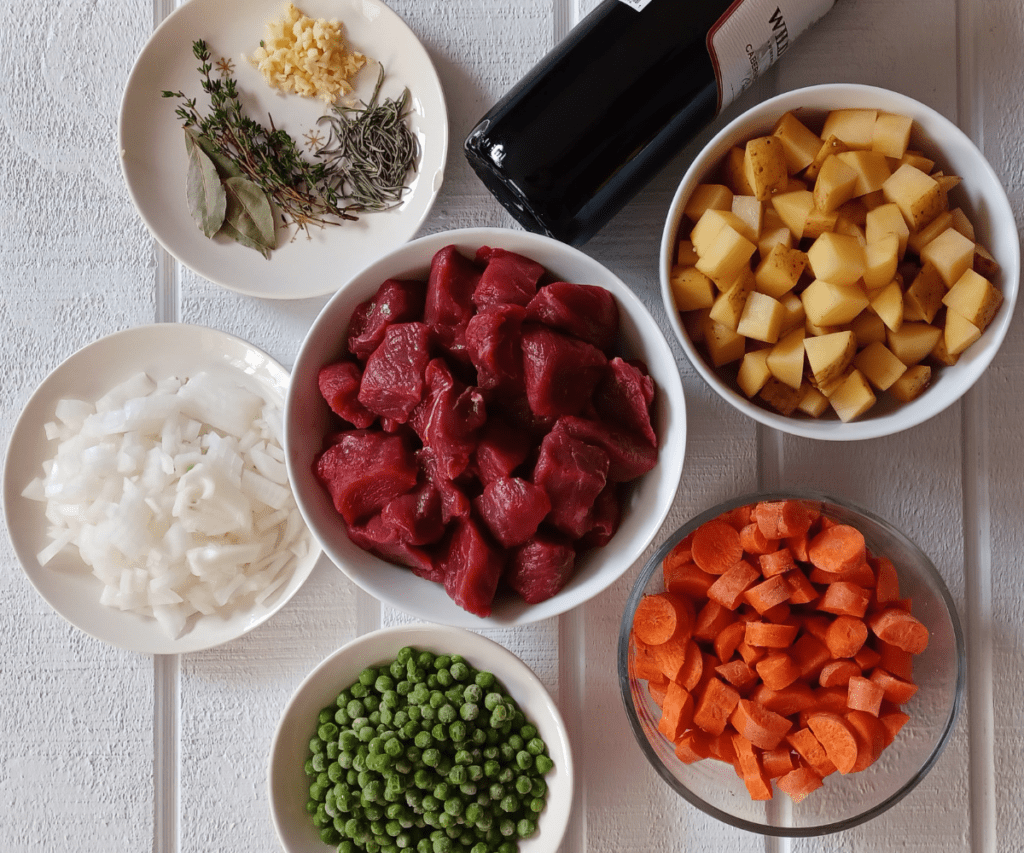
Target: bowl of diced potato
(840,262)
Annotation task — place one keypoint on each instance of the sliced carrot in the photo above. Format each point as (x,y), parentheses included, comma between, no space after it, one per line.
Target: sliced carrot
(781,519)
(863,694)
(893,722)
(679,554)
(729,588)
(837,673)
(765,595)
(755,542)
(845,599)
(778,762)
(787,701)
(817,625)
(708,662)
(643,664)
(716,546)
(688,579)
(845,636)
(763,728)
(830,699)
(714,706)
(867,658)
(657,690)
(838,548)
(777,670)
(836,737)
(676,712)
(739,517)
(777,562)
(738,673)
(751,770)
(693,746)
(711,619)
(887,586)
(870,735)
(801,590)
(809,654)
(728,639)
(693,667)
(751,654)
(722,746)
(670,657)
(899,628)
(798,545)
(799,782)
(778,613)
(658,618)
(899,691)
(895,660)
(809,748)
(770,634)
(860,574)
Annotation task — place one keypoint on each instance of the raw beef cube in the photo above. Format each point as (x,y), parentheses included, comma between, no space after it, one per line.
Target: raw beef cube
(339,385)
(585,310)
(573,473)
(540,568)
(416,516)
(512,509)
(516,411)
(448,419)
(560,371)
(629,455)
(377,537)
(396,301)
(508,279)
(501,450)
(455,503)
(364,471)
(393,382)
(493,345)
(624,398)
(606,518)
(449,304)
(472,567)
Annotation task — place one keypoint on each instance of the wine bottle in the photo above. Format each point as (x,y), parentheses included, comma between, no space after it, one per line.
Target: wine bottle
(628,87)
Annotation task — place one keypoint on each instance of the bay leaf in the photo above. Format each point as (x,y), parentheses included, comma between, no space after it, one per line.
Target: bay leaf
(226,167)
(207,200)
(249,219)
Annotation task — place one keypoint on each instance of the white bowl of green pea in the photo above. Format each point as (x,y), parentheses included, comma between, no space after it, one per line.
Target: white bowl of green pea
(421,737)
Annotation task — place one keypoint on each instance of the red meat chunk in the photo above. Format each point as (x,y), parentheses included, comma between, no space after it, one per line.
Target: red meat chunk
(508,279)
(607,515)
(541,568)
(449,303)
(396,301)
(629,455)
(455,503)
(472,567)
(585,310)
(378,537)
(573,473)
(415,516)
(448,419)
(501,450)
(492,342)
(339,385)
(365,470)
(512,509)
(393,383)
(560,371)
(624,398)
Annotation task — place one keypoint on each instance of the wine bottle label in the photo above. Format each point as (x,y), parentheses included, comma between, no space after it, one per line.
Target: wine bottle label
(751,35)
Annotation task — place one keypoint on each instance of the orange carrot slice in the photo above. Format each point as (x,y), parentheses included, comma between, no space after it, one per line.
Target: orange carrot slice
(899,628)
(767,594)
(693,746)
(659,618)
(870,735)
(716,546)
(687,578)
(729,588)
(838,548)
(899,691)
(893,722)
(763,728)
(836,737)
(809,748)
(887,586)
(845,636)
(738,673)
(714,706)
(770,634)
(777,670)
(782,519)
(750,769)
(788,701)
(711,619)
(799,782)
(777,562)
(755,542)
(778,762)
(863,694)
(676,711)
(837,673)
(845,599)
(728,639)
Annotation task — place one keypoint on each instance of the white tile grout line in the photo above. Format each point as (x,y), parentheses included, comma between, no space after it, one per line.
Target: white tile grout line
(572,694)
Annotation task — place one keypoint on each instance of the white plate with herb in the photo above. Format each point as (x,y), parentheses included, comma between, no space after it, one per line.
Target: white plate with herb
(156,163)
(164,352)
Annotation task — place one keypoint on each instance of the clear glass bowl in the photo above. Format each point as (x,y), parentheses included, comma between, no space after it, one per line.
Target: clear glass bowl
(843,801)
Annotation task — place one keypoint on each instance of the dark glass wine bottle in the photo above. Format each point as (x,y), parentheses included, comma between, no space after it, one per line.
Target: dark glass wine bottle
(630,85)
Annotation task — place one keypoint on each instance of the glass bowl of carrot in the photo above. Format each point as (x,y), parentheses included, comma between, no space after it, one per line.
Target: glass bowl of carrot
(791,664)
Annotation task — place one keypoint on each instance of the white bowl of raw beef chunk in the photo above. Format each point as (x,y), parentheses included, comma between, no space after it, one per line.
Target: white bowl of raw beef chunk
(485,427)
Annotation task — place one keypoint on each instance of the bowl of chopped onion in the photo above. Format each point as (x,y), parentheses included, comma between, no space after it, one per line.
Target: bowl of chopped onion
(146,495)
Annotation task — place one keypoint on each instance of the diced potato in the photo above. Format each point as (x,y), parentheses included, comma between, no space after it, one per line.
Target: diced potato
(837,258)
(951,253)
(917,194)
(919,239)
(923,299)
(829,304)
(887,304)
(959,333)
(780,396)
(887,219)
(829,355)
(728,305)
(958,220)
(793,209)
(728,253)
(691,288)
(812,401)
(917,160)
(881,257)
(780,270)
(912,341)
(734,171)
(871,167)
(686,255)
(984,263)
(855,127)
(835,185)
(867,328)
(786,359)
(831,145)
(774,232)
(819,222)
(891,135)
(753,372)
(853,398)
(793,312)
(724,345)
(942,355)
(879,365)
(761,318)
(799,142)
(764,164)
(751,211)
(912,383)
(706,229)
(705,197)
(975,298)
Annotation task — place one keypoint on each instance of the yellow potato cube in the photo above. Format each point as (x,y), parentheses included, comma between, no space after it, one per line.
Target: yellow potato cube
(812,401)
(951,253)
(728,305)
(819,222)
(836,184)
(799,142)
(780,270)
(923,299)
(751,212)
(786,359)
(984,264)
(723,344)
(830,304)
(780,396)
(705,230)
(921,238)
(753,372)
(912,341)
(734,171)
(879,365)
(867,328)
(891,135)
(975,298)
(691,289)
(836,258)
(887,219)
(853,397)
(887,304)
(912,383)
(764,164)
(793,209)
(793,312)
(871,167)
(761,318)
(958,220)
(940,354)
(707,197)
(917,194)
(829,355)
(855,127)
(959,333)
(917,160)
(831,145)
(881,257)
(774,233)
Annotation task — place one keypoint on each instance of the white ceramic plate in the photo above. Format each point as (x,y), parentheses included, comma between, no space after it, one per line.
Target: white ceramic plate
(287,782)
(154,161)
(66,582)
